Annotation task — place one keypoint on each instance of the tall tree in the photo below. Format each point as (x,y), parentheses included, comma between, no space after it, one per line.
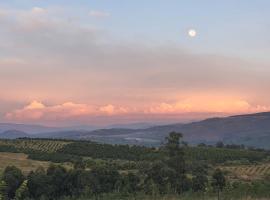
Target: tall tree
(3,190)
(22,191)
(176,152)
(219,181)
(13,177)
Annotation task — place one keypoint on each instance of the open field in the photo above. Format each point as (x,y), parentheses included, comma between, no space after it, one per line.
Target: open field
(20,160)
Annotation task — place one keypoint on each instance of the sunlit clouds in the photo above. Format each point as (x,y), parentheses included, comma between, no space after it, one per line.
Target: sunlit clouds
(54,69)
(37,111)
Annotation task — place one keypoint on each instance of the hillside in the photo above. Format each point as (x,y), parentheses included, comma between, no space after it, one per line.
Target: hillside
(251,130)
(13,134)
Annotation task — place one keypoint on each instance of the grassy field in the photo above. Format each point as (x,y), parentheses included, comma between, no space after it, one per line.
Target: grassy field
(20,160)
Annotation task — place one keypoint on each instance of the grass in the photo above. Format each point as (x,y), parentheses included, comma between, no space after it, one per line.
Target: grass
(20,160)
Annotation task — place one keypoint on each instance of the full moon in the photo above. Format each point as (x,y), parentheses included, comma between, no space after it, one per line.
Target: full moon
(192,33)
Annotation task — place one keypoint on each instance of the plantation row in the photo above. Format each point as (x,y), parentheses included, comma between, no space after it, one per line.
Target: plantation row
(221,155)
(254,170)
(49,146)
(70,151)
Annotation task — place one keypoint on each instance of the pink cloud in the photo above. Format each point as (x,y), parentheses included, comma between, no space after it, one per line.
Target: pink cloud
(69,111)
(37,110)
(203,105)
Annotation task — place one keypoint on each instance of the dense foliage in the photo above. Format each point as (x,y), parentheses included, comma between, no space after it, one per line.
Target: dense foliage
(103,171)
(95,150)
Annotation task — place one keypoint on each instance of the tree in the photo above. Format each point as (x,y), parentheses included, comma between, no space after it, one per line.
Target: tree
(218,181)
(199,183)
(103,180)
(58,181)
(161,175)
(39,184)
(132,183)
(199,180)
(220,144)
(13,177)
(79,164)
(22,191)
(176,161)
(3,190)
(173,143)
(175,152)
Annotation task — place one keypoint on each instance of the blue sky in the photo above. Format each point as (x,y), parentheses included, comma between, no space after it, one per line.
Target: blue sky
(77,61)
(229,27)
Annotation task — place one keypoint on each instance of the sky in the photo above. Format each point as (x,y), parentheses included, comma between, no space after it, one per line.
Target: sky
(99,62)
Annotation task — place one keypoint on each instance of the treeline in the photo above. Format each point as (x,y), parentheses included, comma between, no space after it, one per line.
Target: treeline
(168,176)
(107,151)
(222,155)
(8,148)
(53,157)
(76,150)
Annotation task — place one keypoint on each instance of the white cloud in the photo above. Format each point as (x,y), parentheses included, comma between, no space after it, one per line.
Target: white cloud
(38,10)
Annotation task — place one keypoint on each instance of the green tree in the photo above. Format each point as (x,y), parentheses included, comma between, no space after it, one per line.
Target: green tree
(176,152)
(13,177)
(220,144)
(199,183)
(103,180)
(22,191)
(219,181)
(57,176)
(39,184)
(176,162)
(3,190)
(173,143)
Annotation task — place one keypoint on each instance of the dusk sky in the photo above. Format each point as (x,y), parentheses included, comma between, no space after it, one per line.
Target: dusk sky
(66,62)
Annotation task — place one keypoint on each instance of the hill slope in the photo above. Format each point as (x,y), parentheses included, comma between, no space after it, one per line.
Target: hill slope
(251,130)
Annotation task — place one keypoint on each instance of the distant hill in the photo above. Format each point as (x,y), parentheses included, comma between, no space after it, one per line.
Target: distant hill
(13,134)
(28,128)
(251,130)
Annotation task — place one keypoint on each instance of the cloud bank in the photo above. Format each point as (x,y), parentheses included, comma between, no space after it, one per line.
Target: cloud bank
(48,57)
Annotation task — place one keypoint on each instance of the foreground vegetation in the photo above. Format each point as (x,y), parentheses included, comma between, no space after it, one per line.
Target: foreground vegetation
(102,171)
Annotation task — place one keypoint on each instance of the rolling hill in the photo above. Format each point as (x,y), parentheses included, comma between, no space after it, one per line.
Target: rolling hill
(251,130)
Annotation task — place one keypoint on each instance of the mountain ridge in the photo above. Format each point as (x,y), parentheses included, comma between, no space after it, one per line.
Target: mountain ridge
(249,129)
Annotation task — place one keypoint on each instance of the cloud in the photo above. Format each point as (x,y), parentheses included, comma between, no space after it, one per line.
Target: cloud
(212,104)
(38,111)
(99,14)
(112,110)
(9,61)
(49,58)
(38,10)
